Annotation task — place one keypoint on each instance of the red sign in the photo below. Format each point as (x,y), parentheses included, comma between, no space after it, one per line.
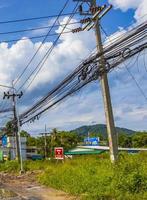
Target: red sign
(59,153)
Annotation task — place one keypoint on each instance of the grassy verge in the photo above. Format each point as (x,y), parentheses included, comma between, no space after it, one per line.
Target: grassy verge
(94,177)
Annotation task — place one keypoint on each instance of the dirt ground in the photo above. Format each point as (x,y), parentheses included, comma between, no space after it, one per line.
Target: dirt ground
(25,187)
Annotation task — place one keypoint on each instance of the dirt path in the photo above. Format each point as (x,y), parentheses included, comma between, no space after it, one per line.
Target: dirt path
(25,187)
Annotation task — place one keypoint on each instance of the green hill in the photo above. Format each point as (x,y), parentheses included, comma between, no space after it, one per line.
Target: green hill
(100,128)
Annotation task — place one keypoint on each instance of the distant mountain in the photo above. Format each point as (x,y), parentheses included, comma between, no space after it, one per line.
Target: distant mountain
(100,128)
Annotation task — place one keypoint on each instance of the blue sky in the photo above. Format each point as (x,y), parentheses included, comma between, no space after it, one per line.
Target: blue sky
(27,9)
(86,107)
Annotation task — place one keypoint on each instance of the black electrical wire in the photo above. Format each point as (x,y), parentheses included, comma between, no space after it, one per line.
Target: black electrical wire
(114,49)
(35,18)
(61,98)
(64,84)
(42,42)
(70,92)
(120,38)
(40,46)
(136,82)
(31,38)
(42,62)
(35,28)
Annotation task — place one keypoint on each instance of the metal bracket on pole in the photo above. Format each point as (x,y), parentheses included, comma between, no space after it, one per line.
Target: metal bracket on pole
(96,17)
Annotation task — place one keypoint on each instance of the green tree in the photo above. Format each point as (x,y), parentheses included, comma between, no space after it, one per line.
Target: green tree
(65,139)
(31,141)
(68,140)
(139,139)
(124,140)
(9,129)
(24,134)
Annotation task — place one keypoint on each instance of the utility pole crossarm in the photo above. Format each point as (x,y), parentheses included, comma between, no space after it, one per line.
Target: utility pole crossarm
(97,13)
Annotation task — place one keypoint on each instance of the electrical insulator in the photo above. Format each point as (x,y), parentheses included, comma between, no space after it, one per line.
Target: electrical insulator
(76,30)
(95,9)
(80,9)
(4,95)
(20,95)
(83,21)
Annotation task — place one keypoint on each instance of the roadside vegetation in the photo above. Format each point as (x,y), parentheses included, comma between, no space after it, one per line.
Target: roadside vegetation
(70,139)
(88,177)
(92,177)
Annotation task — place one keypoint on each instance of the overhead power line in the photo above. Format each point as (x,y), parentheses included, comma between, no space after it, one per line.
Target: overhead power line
(35,18)
(36,28)
(34,55)
(33,37)
(68,87)
(45,57)
(45,37)
(40,46)
(88,71)
(136,82)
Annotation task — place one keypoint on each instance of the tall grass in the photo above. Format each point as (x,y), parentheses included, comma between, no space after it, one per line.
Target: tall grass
(93,177)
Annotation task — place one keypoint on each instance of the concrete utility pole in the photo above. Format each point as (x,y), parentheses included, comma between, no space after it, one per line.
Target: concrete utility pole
(16,120)
(112,136)
(45,141)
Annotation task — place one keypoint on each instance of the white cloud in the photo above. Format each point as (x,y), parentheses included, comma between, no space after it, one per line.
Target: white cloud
(141,12)
(61,61)
(129,105)
(88,106)
(140,7)
(64,58)
(125,4)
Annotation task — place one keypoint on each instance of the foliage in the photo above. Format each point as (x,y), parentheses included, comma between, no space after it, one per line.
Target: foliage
(9,128)
(24,134)
(125,140)
(93,177)
(68,140)
(9,166)
(100,128)
(96,178)
(63,138)
(31,141)
(138,139)
(57,138)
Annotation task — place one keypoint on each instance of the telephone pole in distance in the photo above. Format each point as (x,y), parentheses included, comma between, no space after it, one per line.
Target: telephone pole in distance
(15,95)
